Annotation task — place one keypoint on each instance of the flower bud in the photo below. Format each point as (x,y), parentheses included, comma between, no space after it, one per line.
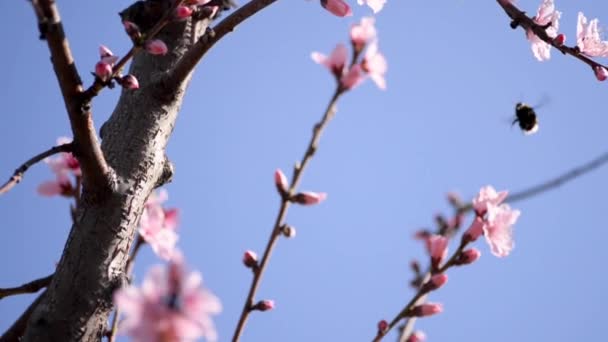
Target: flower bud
(103,71)
(309,198)
(337,7)
(132,29)
(264,305)
(183,12)
(129,82)
(427,309)
(438,249)
(416,336)
(474,231)
(436,281)
(560,39)
(600,73)
(250,259)
(382,326)
(280,180)
(467,257)
(156,47)
(288,231)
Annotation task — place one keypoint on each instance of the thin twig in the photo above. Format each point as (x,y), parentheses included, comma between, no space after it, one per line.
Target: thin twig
(285,203)
(521,19)
(86,146)
(18,174)
(15,332)
(187,63)
(31,287)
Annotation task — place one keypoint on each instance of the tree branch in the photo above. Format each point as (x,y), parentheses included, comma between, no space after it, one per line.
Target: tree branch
(86,147)
(31,287)
(187,63)
(15,332)
(18,174)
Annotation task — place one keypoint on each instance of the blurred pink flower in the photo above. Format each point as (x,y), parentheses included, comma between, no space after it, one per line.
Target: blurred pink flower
(171,305)
(427,309)
(487,196)
(417,336)
(63,165)
(156,47)
(600,73)
(60,186)
(437,247)
(375,5)
(588,37)
(375,65)
(309,198)
(337,7)
(353,77)
(157,226)
(363,32)
(335,62)
(474,231)
(498,229)
(468,256)
(546,15)
(264,305)
(183,12)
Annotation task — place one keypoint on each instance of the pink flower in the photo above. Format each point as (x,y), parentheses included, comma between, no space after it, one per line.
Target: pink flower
(106,56)
(375,65)
(588,38)
(335,62)
(417,336)
(129,82)
(280,180)
(60,186)
(183,12)
(337,7)
(103,70)
(468,256)
(375,5)
(546,15)
(487,196)
(362,33)
(600,73)
(157,226)
(475,231)
(171,305)
(498,230)
(427,309)
(156,47)
(353,77)
(63,165)
(264,305)
(309,198)
(437,247)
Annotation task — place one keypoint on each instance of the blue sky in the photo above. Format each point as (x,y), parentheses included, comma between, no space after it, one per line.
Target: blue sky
(456,70)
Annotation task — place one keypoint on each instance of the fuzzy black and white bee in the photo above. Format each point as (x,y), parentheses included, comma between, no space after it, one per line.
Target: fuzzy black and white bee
(525,117)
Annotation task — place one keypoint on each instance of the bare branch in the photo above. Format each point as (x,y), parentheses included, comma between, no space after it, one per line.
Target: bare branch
(18,175)
(205,43)
(86,147)
(15,332)
(31,287)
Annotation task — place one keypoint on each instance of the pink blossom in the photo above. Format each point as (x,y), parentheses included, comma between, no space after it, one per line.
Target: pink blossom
(427,309)
(335,62)
(474,231)
(309,198)
(417,336)
(600,73)
(353,77)
(375,5)
(498,229)
(363,32)
(468,256)
(60,186)
(171,305)
(103,70)
(156,47)
(129,82)
(437,247)
(588,37)
(546,15)
(337,7)
(280,180)
(487,196)
(183,12)
(250,259)
(375,65)
(264,305)
(157,226)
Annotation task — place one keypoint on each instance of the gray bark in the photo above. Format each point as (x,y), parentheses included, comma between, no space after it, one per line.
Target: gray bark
(79,299)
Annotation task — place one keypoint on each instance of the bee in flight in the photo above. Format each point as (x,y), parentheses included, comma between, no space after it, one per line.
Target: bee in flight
(525,117)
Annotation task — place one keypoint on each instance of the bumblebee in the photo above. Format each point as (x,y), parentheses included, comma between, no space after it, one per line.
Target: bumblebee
(525,117)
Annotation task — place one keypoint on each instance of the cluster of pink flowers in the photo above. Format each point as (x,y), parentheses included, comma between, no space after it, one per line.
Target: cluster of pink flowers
(104,70)
(373,64)
(171,305)
(341,8)
(589,40)
(63,165)
(157,225)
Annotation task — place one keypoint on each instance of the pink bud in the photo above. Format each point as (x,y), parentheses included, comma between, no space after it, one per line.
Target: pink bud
(250,259)
(382,326)
(417,336)
(438,249)
(600,73)
(129,82)
(474,231)
(156,47)
(427,309)
(436,281)
(422,234)
(183,12)
(104,52)
(280,180)
(560,39)
(132,29)
(264,305)
(337,7)
(468,257)
(309,198)
(103,71)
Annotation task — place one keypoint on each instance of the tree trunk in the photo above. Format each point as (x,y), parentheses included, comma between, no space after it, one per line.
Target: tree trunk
(79,299)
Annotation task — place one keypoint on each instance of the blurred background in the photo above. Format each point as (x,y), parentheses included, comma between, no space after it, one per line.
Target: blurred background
(456,71)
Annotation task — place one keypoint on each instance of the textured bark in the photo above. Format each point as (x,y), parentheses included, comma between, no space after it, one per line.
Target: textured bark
(79,299)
